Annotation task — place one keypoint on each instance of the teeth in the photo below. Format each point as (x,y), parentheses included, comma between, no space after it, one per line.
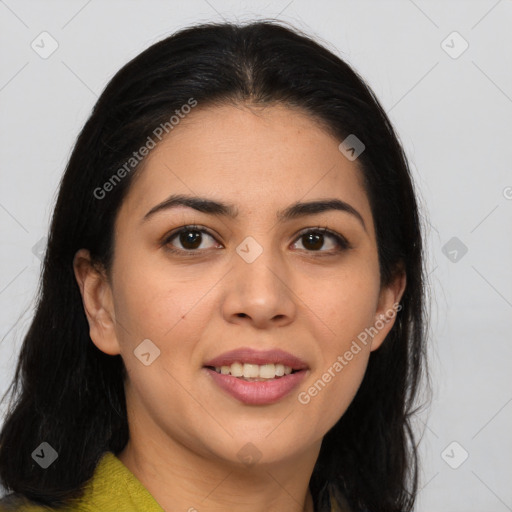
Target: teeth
(251,370)
(236,369)
(254,371)
(267,371)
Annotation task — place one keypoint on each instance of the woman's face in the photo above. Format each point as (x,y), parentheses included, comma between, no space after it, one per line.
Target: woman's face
(252,280)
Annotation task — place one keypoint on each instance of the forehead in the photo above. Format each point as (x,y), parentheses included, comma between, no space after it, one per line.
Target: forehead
(260,159)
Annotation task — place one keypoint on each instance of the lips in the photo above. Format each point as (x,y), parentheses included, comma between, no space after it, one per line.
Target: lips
(257,393)
(285,373)
(259,357)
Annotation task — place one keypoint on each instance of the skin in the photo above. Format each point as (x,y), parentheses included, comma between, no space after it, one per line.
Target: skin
(312,301)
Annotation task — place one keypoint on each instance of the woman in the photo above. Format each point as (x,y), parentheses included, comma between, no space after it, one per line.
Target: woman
(231,313)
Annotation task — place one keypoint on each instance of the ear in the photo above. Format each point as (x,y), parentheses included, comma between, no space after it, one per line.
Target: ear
(387,309)
(97,301)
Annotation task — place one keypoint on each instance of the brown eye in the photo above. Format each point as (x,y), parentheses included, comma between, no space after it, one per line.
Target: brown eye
(189,237)
(314,239)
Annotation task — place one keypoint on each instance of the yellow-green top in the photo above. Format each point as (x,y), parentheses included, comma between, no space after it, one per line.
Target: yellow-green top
(113,488)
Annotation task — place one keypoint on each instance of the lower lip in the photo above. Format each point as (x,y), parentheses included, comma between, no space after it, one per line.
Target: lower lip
(257,392)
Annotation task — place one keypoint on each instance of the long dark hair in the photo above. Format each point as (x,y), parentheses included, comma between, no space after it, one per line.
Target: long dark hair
(68,393)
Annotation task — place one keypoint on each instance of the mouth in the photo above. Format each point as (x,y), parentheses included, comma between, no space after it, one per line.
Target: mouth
(256,377)
(254,372)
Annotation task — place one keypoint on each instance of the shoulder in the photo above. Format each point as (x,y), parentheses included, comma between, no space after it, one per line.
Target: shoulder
(113,488)
(18,502)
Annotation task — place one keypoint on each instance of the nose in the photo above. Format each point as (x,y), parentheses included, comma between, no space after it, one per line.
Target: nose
(260,292)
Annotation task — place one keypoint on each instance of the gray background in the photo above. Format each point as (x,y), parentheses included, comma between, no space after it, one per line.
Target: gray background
(453,116)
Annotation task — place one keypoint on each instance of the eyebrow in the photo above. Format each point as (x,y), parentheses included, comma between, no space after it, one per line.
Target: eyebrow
(212,207)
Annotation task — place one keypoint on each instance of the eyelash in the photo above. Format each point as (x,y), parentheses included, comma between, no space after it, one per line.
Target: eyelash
(342,242)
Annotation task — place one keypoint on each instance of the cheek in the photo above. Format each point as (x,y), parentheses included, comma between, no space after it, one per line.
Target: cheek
(332,387)
(151,301)
(329,391)
(347,305)
(347,302)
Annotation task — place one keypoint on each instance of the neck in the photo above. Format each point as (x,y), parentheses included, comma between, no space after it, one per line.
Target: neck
(180,479)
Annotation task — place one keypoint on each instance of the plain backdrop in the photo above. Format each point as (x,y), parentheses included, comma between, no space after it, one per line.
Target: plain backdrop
(449,97)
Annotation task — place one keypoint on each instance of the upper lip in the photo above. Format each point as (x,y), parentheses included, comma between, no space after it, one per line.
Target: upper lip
(260,357)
